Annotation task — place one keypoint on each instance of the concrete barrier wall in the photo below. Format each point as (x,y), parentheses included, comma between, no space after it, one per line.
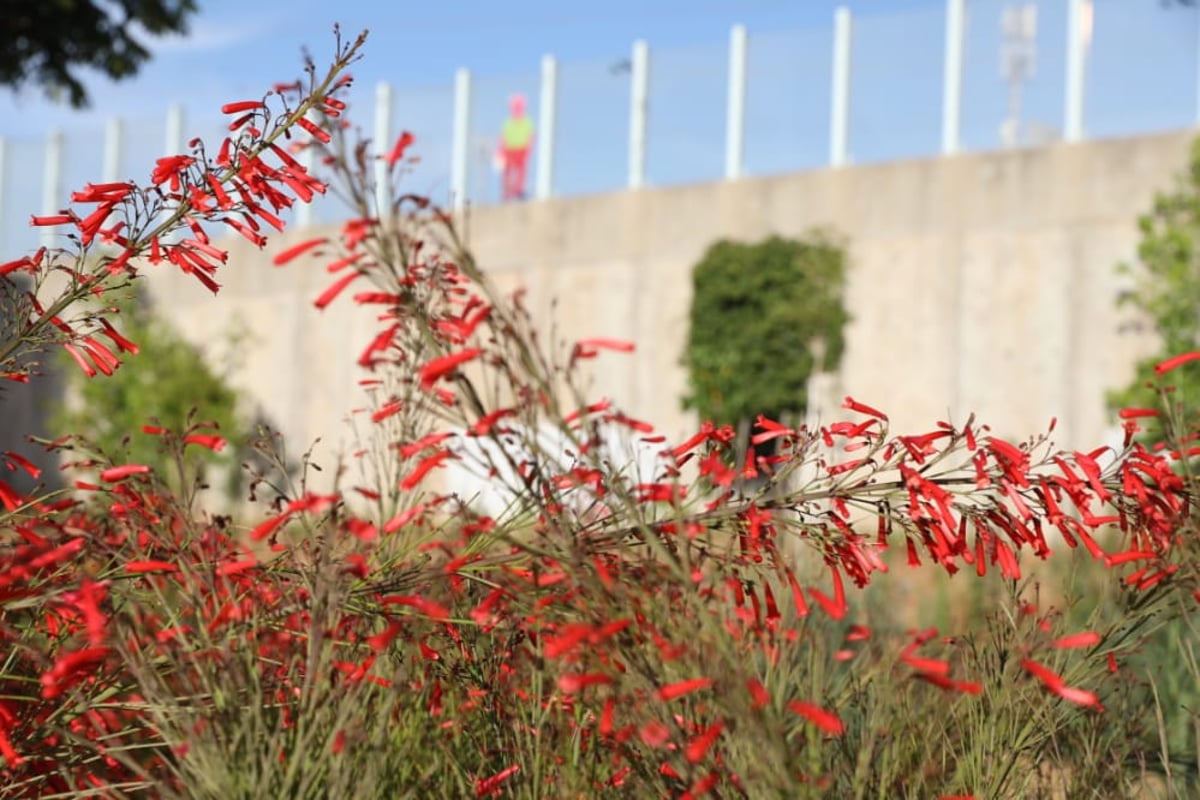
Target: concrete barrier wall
(982,282)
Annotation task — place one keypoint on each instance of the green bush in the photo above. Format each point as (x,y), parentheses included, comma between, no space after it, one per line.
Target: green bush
(168,384)
(764,317)
(1167,291)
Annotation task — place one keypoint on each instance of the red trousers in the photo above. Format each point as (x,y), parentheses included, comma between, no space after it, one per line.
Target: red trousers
(516,166)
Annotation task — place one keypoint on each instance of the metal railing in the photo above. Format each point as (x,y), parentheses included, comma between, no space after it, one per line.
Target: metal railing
(917,83)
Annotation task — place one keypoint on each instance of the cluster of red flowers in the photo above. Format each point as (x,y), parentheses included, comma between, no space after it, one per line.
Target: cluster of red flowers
(109,597)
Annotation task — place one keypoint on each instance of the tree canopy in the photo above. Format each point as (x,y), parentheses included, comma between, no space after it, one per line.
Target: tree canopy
(48,42)
(757,312)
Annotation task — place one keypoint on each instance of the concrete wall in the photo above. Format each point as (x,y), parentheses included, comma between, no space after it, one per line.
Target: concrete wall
(981,282)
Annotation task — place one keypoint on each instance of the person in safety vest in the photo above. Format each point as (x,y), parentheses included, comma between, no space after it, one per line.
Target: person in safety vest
(512,155)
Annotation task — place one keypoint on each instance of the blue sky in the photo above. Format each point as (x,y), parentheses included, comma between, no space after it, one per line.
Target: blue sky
(1142,77)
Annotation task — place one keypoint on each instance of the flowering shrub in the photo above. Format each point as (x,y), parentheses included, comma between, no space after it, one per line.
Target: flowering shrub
(609,632)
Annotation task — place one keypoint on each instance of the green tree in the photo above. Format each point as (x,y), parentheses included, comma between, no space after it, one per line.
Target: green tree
(46,41)
(1166,291)
(761,315)
(167,383)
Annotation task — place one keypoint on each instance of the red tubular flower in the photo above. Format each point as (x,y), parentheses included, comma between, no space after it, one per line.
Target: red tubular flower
(330,294)
(403,518)
(138,567)
(835,607)
(701,787)
(387,410)
(24,262)
(88,602)
(699,746)
(422,469)
(20,461)
(287,255)
(101,355)
(587,348)
(235,567)
(209,440)
(678,689)
(862,408)
(1137,413)
(429,608)
(245,230)
(119,341)
(51,220)
(397,152)
(1054,682)
(242,105)
(483,426)
(114,474)
(424,443)
(1175,362)
(944,682)
(825,720)
(9,497)
(12,758)
(87,368)
(70,668)
(1085,639)
(268,526)
(490,787)
(318,133)
(102,193)
(169,169)
(573,683)
(439,367)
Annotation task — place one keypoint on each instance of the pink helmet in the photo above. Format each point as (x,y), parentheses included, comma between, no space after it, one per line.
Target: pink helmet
(516,105)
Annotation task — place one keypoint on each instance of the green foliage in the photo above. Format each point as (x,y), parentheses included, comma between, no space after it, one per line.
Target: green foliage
(45,42)
(758,313)
(1167,292)
(167,383)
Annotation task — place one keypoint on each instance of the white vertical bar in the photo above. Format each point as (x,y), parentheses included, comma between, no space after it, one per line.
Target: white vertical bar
(174,139)
(462,139)
(303,216)
(383,144)
(51,180)
(1198,69)
(1076,60)
(547,114)
(172,145)
(638,108)
(735,110)
(956,30)
(112,150)
(839,117)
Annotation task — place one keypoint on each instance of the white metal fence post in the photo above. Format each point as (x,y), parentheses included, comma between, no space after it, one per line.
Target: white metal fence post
(839,117)
(547,115)
(956,30)
(303,217)
(461,152)
(383,143)
(1079,22)
(735,110)
(173,143)
(51,181)
(1198,69)
(638,109)
(111,171)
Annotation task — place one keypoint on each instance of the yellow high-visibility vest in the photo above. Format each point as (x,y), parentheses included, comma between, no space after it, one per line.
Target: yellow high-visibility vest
(518,133)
